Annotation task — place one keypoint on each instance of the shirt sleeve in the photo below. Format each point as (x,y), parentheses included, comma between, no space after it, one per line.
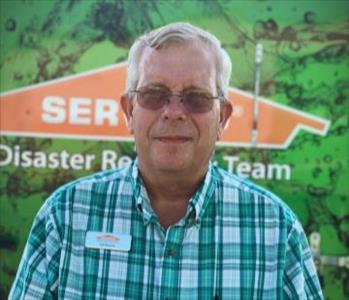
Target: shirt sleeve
(300,277)
(37,275)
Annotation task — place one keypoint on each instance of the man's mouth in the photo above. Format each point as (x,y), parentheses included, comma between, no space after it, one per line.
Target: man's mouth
(173,139)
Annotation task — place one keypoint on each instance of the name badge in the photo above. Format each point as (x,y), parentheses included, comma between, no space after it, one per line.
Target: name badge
(107,240)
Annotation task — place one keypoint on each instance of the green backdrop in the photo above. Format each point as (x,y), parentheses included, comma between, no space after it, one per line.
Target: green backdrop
(305,66)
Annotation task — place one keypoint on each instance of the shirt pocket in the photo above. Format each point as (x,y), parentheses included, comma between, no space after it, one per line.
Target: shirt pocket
(105,272)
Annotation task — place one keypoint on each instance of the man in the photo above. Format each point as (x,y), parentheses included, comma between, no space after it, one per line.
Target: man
(171,225)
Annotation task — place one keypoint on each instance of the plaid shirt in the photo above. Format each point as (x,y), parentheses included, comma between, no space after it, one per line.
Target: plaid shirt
(236,241)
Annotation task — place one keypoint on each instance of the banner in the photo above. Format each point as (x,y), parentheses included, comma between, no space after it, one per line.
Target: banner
(63,70)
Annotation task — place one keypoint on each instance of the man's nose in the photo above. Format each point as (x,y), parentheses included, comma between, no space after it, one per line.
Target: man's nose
(174,108)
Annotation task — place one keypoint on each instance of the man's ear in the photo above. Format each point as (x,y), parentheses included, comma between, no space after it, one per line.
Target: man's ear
(127,108)
(225,113)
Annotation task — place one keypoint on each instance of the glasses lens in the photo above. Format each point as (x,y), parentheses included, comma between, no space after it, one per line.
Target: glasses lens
(152,99)
(197,102)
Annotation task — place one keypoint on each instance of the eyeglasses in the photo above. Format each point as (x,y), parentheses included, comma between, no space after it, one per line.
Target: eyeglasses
(194,100)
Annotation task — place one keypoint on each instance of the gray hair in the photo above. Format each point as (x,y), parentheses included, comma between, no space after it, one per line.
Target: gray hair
(179,33)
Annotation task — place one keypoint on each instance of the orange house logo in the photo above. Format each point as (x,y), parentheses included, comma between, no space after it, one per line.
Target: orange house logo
(107,238)
(86,106)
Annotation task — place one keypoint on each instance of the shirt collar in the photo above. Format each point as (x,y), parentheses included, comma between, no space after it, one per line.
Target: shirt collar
(204,194)
(140,194)
(197,204)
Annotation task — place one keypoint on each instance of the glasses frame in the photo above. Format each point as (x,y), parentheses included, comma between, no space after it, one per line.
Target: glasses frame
(169,95)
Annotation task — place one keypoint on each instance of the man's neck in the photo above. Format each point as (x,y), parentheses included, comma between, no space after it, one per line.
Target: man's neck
(170,193)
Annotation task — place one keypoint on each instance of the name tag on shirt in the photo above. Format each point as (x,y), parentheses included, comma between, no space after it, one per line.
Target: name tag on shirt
(107,240)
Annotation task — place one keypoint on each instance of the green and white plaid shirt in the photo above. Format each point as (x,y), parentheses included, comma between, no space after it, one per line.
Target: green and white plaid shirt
(237,241)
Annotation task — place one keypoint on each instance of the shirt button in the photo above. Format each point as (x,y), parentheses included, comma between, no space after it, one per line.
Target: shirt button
(191,222)
(170,253)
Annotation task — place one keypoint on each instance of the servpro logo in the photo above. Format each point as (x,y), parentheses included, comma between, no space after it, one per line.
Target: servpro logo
(107,237)
(86,106)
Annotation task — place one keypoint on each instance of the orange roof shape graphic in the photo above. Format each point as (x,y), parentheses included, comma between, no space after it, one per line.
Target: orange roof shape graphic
(108,238)
(86,106)
(278,124)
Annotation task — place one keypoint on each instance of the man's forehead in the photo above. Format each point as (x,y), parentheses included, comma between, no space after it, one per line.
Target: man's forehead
(190,61)
(182,49)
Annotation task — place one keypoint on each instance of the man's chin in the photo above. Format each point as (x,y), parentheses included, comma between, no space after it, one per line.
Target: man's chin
(172,167)
(171,164)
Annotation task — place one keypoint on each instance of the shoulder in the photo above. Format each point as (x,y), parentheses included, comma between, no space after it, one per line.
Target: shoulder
(248,195)
(83,193)
(100,178)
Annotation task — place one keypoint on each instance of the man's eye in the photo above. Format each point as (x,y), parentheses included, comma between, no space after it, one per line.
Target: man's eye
(196,97)
(154,96)
(157,94)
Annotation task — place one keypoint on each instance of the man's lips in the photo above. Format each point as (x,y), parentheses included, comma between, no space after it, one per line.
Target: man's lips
(173,139)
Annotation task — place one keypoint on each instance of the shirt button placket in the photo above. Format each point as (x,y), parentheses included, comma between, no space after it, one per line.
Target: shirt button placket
(170,252)
(170,268)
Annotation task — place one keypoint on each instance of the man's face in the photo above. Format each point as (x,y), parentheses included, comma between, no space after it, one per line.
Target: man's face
(171,139)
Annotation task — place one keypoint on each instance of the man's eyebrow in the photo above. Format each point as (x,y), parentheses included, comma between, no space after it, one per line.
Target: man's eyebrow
(162,86)
(158,86)
(195,88)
